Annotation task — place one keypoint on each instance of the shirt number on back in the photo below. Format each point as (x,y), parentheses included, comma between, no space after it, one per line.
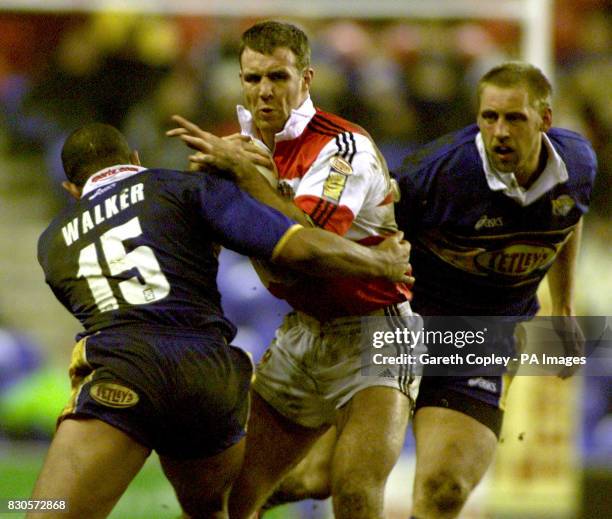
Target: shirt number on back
(148,286)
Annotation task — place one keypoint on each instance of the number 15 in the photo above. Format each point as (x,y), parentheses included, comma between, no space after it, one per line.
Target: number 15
(155,286)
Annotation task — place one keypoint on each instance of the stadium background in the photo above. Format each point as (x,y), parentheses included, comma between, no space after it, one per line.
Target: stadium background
(404,70)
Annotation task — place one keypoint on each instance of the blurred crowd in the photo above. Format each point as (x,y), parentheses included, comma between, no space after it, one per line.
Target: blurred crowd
(407,82)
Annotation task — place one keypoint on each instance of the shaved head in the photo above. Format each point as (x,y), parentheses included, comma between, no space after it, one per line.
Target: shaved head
(91,148)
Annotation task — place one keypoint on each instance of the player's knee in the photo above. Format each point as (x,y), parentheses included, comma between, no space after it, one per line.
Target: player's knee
(298,490)
(358,497)
(317,485)
(443,494)
(302,485)
(357,501)
(312,481)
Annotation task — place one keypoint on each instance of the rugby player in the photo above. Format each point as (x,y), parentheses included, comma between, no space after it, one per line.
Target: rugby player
(135,261)
(489,211)
(310,377)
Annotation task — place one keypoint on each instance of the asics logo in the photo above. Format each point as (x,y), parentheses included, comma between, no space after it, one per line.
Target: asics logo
(483,383)
(485,221)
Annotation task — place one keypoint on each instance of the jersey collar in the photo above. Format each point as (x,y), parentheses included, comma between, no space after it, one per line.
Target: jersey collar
(294,127)
(110,175)
(554,173)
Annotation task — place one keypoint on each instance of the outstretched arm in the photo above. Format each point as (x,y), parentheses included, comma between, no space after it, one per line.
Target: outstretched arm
(562,274)
(561,283)
(324,254)
(239,158)
(239,222)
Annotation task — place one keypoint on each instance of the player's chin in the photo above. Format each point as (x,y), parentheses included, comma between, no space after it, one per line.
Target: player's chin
(269,123)
(504,166)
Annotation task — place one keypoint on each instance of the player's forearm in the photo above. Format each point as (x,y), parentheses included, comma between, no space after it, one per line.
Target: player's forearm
(251,181)
(562,274)
(321,253)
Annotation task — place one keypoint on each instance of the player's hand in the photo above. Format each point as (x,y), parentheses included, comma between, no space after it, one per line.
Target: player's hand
(396,253)
(223,154)
(256,154)
(210,149)
(573,341)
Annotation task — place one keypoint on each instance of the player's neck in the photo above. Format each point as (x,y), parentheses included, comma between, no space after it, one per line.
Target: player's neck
(267,138)
(526,178)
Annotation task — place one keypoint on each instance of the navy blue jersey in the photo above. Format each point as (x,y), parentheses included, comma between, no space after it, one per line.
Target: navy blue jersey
(476,251)
(143,250)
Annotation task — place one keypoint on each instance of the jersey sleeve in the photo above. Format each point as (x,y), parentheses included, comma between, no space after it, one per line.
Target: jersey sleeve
(410,204)
(238,221)
(346,175)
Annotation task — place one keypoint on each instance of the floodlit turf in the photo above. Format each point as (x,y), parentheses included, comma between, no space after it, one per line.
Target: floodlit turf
(149,496)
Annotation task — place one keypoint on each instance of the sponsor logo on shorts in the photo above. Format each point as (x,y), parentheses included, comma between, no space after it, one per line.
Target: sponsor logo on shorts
(483,383)
(562,205)
(113,395)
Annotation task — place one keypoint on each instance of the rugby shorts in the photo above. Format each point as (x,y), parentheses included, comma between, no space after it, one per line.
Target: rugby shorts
(482,397)
(313,368)
(185,395)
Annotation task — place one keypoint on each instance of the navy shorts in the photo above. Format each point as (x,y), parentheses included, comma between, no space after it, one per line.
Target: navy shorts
(479,393)
(185,395)
(482,398)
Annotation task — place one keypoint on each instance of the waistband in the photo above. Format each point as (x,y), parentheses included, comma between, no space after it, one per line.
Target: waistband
(351,323)
(209,332)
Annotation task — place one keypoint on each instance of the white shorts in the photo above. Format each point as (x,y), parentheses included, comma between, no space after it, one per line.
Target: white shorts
(312,368)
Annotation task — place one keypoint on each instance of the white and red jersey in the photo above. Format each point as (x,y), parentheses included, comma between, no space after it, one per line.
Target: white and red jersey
(340,180)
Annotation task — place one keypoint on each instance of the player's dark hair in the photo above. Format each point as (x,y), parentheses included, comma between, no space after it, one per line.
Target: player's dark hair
(91,148)
(515,73)
(266,37)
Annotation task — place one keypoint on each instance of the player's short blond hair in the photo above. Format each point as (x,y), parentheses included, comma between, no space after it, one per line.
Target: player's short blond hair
(517,73)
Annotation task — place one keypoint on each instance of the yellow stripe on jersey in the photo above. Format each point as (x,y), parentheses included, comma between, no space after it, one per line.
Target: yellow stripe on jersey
(284,239)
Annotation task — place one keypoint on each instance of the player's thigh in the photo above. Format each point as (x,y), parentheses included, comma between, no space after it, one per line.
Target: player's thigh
(312,475)
(203,485)
(371,430)
(451,448)
(318,459)
(275,443)
(89,464)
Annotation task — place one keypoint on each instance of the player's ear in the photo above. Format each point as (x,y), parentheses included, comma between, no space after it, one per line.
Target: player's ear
(134,158)
(73,189)
(308,76)
(546,119)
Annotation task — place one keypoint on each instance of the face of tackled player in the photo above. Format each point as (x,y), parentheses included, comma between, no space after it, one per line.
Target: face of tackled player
(511,129)
(272,86)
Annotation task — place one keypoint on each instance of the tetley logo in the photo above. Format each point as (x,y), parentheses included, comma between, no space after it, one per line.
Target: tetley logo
(113,395)
(485,221)
(517,259)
